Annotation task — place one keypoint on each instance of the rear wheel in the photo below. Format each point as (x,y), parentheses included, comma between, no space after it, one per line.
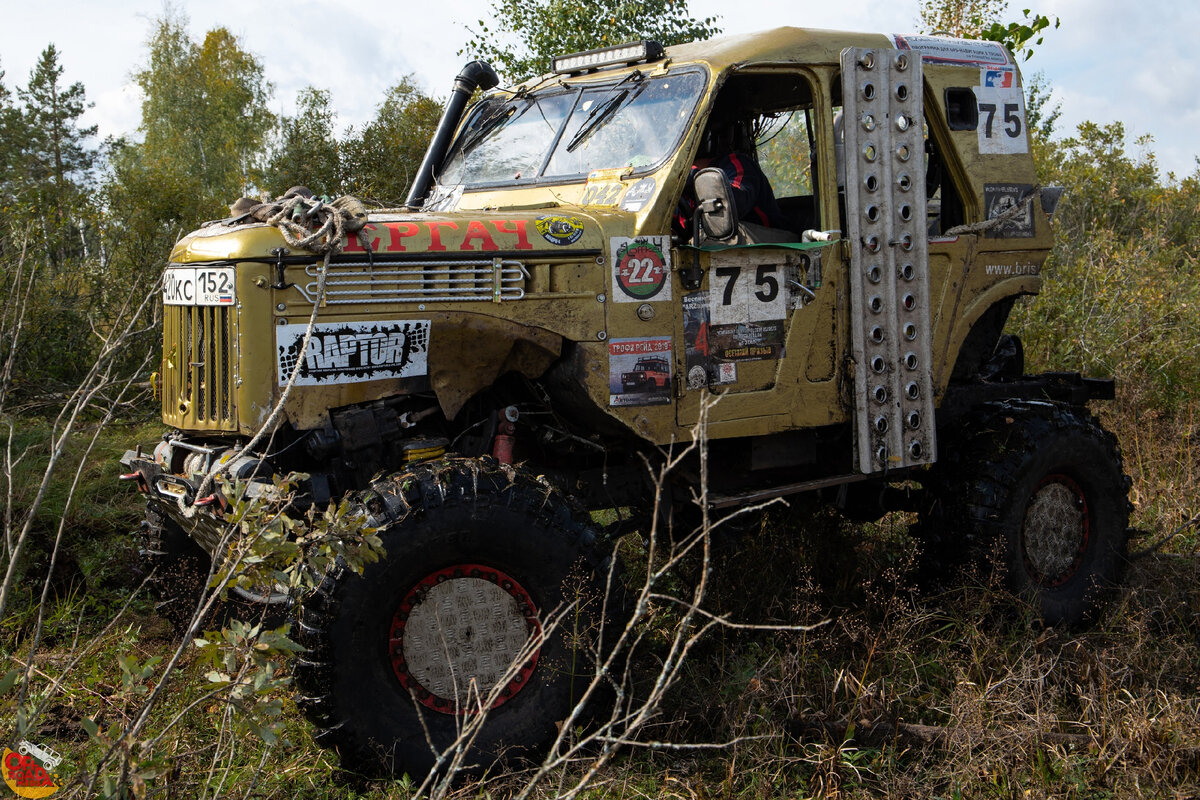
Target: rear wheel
(1038,489)
(463,616)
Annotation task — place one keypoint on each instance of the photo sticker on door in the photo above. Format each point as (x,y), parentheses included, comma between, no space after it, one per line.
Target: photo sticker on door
(702,370)
(639,371)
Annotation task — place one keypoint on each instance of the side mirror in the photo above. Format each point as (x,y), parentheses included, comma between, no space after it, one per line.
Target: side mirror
(1050,197)
(715,204)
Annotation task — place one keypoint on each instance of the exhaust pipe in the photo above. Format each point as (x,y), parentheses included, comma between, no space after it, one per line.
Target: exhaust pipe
(476,75)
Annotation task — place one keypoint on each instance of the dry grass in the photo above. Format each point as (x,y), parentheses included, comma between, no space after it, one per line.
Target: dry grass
(896,693)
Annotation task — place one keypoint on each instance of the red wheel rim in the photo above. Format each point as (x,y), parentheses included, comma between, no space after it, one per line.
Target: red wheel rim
(457,634)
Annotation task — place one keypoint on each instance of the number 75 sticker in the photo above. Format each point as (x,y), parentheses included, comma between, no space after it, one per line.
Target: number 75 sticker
(746,294)
(1002,120)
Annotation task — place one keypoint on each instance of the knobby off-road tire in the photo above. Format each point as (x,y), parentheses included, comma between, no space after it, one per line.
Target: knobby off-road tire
(179,571)
(177,568)
(478,559)
(1038,490)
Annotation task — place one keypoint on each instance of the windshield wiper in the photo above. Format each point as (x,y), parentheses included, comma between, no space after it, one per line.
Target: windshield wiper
(604,109)
(490,124)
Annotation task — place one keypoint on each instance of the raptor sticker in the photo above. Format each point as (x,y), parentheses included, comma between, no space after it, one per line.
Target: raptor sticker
(560,230)
(354,352)
(641,269)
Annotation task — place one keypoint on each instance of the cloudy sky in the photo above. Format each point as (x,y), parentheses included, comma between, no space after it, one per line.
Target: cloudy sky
(1111,59)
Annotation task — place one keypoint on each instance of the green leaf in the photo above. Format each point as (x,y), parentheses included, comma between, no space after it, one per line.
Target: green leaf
(89,725)
(9,680)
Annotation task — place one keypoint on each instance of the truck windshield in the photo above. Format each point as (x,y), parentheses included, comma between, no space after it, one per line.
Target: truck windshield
(568,131)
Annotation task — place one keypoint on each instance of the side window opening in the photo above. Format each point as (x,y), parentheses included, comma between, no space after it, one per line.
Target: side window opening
(962,112)
(943,205)
(785,151)
(770,117)
(839,148)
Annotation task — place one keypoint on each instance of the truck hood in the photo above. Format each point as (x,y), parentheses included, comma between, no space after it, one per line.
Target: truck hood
(554,232)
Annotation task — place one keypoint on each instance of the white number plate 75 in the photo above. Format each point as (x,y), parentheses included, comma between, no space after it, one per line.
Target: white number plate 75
(198,286)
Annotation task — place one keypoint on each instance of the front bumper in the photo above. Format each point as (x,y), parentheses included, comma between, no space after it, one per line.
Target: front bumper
(177,495)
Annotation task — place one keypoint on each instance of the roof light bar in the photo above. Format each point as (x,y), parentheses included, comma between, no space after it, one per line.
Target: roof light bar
(630,53)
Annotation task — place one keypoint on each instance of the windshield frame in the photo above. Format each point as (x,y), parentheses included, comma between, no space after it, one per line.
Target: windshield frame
(577,89)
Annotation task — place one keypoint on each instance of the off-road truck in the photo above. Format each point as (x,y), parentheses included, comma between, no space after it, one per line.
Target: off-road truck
(467,376)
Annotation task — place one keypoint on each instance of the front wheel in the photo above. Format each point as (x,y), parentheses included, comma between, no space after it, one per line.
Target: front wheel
(1040,486)
(487,605)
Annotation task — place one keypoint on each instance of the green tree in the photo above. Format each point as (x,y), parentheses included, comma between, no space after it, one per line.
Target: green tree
(12,139)
(966,19)
(981,19)
(1122,292)
(382,158)
(204,127)
(56,158)
(50,228)
(525,34)
(205,120)
(307,151)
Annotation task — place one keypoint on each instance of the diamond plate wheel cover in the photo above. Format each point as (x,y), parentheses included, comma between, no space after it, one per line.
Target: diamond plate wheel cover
(1056,530)
(456,634)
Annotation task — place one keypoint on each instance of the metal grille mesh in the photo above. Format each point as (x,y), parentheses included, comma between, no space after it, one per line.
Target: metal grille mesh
(198,366)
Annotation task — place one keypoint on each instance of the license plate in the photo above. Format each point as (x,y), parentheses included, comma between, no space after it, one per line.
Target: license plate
(198,286)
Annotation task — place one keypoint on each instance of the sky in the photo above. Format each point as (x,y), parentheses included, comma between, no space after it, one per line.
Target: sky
(1111,60)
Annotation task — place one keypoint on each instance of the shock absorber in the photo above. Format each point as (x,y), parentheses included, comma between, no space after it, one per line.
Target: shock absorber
(502,444)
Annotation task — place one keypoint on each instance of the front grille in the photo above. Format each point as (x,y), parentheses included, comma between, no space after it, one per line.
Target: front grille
(492,279)
(199,367)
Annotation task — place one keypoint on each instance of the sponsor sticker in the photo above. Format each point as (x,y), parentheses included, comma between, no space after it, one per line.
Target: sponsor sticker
(1002,200)
(998,78)
(354,352)
(639,371)
(29,772)
(1018,269)
(638,195)
(702,369)
(641,268)
(945,50)
(559,230)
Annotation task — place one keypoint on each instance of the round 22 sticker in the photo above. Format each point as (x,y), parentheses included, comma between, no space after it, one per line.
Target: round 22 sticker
(641,269)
